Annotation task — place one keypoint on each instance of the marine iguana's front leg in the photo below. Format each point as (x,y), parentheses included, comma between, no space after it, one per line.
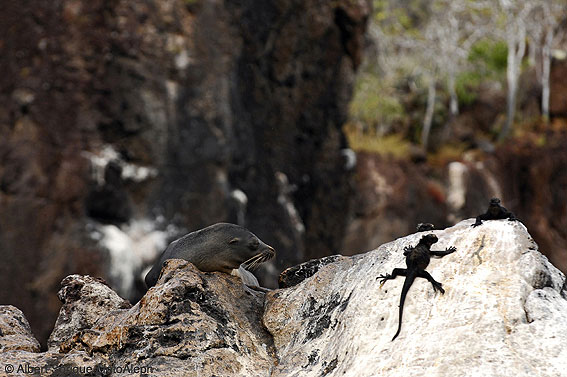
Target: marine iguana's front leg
(479,219)
(436,285)
(395,273)
(441,253)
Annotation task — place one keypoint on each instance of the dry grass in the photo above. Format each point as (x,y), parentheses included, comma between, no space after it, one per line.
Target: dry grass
(393,145)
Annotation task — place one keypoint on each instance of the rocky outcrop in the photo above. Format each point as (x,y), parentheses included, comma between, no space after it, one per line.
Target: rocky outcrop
(15,331)
(190,321)
(504,313)
(502,302)
(129,123)
(85,300)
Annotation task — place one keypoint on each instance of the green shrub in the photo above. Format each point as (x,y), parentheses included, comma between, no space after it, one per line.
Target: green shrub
(466,86)
(493,54)
(374,104)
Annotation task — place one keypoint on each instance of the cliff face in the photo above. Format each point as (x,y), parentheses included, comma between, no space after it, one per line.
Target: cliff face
(504,312)
(126,123)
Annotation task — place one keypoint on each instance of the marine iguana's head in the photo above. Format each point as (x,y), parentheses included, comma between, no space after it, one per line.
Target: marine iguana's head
(494,202)
(428,239)
(424,227)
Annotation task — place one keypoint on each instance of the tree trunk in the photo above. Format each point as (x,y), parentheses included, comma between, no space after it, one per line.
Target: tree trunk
(516,49)
(454,101)
(428,119)
(546,71)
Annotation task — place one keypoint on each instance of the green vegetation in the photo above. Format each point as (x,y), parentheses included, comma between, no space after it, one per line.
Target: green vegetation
(492,55)
(375,105)
(467,85)
(432,60)
(487,60)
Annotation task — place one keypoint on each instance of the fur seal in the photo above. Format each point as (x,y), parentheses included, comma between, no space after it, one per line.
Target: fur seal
(220,247)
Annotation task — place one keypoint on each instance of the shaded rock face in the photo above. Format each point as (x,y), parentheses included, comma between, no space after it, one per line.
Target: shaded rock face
(114,112)
(536,180)
(391,198)
(558,89)
(503,313)
(296,274)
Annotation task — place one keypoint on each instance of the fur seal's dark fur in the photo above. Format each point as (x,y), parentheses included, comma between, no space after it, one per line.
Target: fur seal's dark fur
(219,247)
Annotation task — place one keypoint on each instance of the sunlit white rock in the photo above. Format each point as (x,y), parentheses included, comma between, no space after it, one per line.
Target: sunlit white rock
(502,313)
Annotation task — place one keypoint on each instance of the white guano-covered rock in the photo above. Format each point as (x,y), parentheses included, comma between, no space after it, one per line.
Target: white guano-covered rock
(503,313)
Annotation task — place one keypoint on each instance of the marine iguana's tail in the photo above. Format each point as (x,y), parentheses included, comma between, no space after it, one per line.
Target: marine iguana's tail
(407,284)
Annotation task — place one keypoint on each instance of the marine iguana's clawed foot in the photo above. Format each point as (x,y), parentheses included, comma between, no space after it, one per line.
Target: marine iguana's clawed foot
(451,249)
(383,279)
(476,224)
(438,287)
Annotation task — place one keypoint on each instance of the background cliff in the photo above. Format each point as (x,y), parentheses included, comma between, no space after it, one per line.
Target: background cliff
(124,124)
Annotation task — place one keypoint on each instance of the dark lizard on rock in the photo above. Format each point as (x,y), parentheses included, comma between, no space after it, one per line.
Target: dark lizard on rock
(494,212)
(417,260)
(424,227)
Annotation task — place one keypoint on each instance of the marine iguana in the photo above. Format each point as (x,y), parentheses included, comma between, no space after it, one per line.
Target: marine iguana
(417,259)
(424,227)
(494,212)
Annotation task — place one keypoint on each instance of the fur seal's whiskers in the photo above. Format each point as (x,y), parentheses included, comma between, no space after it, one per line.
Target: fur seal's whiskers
(256,260)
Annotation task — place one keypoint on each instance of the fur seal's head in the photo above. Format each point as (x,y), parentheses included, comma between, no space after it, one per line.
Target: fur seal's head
(428,239)
(241,246)
(220,247)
